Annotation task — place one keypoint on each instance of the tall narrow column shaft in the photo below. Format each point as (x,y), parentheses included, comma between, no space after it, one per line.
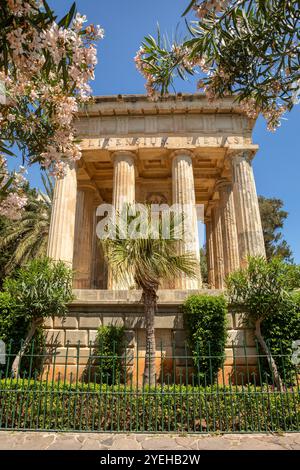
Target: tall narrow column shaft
(210,254)
(62,225)
(218,248)
(249,228)
(84,239)
(229,227)
(123,193)
(184,195)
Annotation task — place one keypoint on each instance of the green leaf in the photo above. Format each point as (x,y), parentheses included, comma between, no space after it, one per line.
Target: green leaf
(190,6)
(48,10)
(66,20)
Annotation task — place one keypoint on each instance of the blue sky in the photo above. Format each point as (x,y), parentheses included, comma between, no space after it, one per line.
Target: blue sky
(277,164)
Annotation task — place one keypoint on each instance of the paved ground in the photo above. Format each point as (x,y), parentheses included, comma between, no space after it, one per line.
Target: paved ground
(60,441)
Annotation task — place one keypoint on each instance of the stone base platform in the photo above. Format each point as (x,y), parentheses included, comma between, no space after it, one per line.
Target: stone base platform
(93,308)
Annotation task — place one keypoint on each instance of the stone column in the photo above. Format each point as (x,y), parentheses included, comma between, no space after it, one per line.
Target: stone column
(123,193)
(218,247)
(124,179)
(83,253)
(210,253)
(184,194)
(62,225)
(229,227)
(249,228)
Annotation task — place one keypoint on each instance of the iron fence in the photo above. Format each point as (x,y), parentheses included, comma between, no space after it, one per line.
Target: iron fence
(70,391)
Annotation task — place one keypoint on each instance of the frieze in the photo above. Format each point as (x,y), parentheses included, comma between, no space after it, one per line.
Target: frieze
(167,142)
(171,124)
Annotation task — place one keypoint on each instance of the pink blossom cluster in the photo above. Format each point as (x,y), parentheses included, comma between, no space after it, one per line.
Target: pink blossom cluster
(30,47)
(13,201)
(208,6)
(142,68)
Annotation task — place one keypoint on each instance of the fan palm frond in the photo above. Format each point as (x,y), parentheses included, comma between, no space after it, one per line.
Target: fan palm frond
(29,235)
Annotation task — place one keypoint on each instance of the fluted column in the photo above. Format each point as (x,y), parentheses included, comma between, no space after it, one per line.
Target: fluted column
(210,253)
(62,225)
(249,228)
(124,179)
(229,228)
(184,194)
(123,193)
(83,247)
(218,247)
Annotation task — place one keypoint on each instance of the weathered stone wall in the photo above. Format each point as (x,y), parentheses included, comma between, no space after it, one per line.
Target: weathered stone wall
(84,319)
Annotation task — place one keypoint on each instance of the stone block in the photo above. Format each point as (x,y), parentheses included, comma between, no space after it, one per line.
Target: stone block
(230,320)
(134,321)
(55,337)
(240,320)
(92,336)
(229,360)
(250,337)
(129,337)
(236,338)
(128,358)
(89,321)
(73,336)
(244,356)
(165,321)
(65,355)
(113,320)
(179,338)
(68,322)
(48,323)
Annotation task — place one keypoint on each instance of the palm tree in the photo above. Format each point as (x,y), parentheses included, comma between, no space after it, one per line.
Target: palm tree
(29,235)
(149,261)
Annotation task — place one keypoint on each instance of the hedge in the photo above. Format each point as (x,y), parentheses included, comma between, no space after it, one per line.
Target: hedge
(205,318)
(91,407)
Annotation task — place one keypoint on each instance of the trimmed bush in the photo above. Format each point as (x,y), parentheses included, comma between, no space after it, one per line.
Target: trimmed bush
(109,347)
(175,408)
(205,319)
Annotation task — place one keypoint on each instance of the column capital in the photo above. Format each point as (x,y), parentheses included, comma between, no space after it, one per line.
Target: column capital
(239,155)
(121,155)
(86,186)
(223,184)
(182,153)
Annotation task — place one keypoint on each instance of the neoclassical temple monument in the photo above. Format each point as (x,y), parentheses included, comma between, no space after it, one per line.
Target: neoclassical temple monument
(181,149)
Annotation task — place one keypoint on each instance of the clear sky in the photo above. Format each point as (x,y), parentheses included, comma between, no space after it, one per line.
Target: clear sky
(126,22)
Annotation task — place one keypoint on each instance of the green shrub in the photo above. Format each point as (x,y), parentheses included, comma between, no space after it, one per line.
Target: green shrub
(37,291)
(265,290)
(175,408)
(109,347)
(13,329)
(205,319)
(281,329)
(41,289)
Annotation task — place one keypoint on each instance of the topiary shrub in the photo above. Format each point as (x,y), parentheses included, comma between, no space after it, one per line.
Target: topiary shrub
(109,347)
(205,319)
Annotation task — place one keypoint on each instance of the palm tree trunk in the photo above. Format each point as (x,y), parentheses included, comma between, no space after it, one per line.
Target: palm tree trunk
(150,302)
(265,348)
(16,364)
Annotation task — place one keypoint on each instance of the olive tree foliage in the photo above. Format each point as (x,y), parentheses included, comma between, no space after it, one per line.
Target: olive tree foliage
(246,47)
(263,287)
(39,290)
